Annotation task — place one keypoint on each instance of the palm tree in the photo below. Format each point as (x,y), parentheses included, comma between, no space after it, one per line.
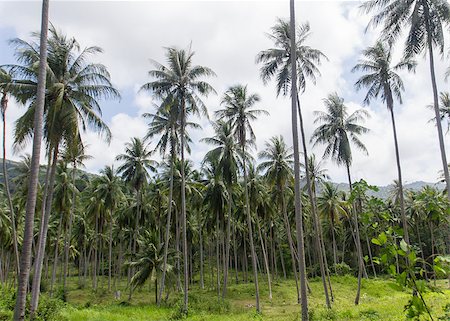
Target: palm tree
(426,22)
(166,124)
(225,153)
(25,259)
(381,79)
(238,109)
(181,81)
(277,165)
(136,163)
(109,189)
(5,80)
(337,132)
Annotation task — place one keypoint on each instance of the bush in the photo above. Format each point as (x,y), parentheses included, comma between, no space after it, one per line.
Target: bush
(342,269)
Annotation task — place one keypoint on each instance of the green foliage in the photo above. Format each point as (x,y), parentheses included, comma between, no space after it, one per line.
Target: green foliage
(342,269)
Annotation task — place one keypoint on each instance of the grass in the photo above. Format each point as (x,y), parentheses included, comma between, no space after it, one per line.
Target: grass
(381,299)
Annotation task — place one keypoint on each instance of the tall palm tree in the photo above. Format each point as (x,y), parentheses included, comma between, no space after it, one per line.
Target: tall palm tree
(239,110)
(337,132)
(136,164)
(182,81)
(225,153)
(426,22)
(166,124)
(382,81)
(5,80)
(25,259)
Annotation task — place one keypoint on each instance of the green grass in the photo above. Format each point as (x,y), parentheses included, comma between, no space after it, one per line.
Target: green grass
(381,299)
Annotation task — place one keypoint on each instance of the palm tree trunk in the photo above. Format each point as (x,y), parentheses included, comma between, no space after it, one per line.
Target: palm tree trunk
(320,250)
(167,236)
(4,106)
(266,260)
(55,258)
(235,254)
(217,252)
(227,243)
(357,241)
(25,259)
(110,241)
(69,234)
(298,209)
(202,281)
(42,241)
(400,182)
(250,231)
(183,207)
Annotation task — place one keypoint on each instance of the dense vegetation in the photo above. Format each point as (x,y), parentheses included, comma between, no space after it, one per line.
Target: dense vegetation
(239,225)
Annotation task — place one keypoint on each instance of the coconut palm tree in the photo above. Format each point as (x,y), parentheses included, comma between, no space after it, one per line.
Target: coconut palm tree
(381,80)
(183,82)
(226,154)
(425,23)
(337,132)
(136,164)
(25,259)
(239,110)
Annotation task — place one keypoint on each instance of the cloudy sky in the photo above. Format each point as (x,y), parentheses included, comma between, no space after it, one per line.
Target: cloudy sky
(226,36)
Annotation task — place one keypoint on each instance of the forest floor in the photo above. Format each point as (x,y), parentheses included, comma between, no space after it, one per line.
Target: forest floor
(381,299)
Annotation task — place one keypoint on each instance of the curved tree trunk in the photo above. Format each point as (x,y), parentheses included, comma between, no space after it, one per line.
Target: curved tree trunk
(25,259)
(298,209)
(42,241)
(167,236)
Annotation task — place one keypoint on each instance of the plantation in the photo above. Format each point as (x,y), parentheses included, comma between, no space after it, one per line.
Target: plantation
(199,214)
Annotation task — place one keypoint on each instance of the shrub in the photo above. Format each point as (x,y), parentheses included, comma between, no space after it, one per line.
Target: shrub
(342,268)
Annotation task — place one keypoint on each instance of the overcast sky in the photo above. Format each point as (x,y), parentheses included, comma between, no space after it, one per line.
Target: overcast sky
(226,36)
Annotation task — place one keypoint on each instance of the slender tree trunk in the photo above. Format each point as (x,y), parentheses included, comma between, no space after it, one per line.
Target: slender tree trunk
(94,268)
(55,258)
(69,234)
(217,253)
(334,246)
(183,207)
(357,241)
(235,254)
(266,260)
(282,262)
(110,241)
(245,260)
(42,241)
(4,106)
(250,231)
(320,250)
(227,243)
(298,209)
(202,281)
(25,259)
(370,257)
(400,182)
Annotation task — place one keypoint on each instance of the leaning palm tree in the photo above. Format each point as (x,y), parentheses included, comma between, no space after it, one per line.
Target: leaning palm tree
(225,153)
(426,23)
(381,80)
(6,80)
(25,259)
(337,132)
(239,110)
(181,81)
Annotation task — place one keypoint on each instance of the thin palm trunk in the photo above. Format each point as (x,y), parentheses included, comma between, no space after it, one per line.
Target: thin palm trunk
(42,241)
(69,233)
(235,254)
(436,102)
(110,241)
(217,252)
(320,250)
(266,260)
(55,258)
(250,231)
(202,282)
(25,259)
(167,236)
(183,208)
(297,194)
(4,104)
(227,243)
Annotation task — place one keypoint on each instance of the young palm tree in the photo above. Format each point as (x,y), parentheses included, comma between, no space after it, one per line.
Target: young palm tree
(181,81)
(426,22)
(337,132)
(382,81)
(239,110)
(25,259)
(225,153)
